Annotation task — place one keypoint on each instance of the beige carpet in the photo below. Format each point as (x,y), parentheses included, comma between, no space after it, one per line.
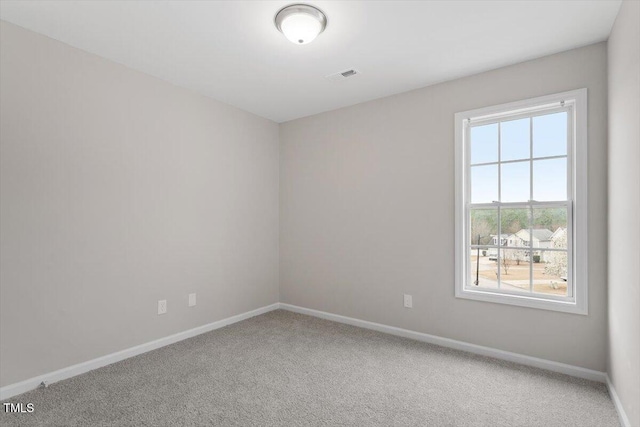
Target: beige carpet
(286,369)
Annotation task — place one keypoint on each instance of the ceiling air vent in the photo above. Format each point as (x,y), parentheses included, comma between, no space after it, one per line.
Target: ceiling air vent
(343,75)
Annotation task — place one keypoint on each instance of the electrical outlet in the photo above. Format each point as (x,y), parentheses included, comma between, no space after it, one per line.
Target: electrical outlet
(408,301)
(162,306)
(192,300)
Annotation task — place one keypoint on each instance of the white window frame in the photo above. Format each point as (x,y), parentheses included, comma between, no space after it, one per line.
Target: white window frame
(577,300)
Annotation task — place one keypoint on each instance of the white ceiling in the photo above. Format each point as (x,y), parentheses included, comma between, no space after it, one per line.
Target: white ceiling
(231,50)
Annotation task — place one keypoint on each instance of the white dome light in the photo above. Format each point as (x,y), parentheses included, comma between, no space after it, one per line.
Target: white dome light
(301,23)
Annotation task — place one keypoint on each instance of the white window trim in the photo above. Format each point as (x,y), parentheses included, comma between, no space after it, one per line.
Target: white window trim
(578,303)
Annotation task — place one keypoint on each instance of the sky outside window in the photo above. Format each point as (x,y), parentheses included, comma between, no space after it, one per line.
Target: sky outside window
(484,144)
(515,143)
(545,135)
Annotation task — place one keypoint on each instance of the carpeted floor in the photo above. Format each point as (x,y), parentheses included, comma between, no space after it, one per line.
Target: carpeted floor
(286,369)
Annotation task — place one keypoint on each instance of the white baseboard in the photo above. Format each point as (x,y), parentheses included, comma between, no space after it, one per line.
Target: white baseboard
(622,415)
(563,368)
(80,368)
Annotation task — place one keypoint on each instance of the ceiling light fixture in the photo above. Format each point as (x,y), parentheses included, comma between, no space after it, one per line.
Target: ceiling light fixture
(301,23)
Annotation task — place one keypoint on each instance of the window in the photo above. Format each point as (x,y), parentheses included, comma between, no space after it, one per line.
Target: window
(521,203)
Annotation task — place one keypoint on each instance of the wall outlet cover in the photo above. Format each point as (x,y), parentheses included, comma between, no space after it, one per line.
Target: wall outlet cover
(162,306)
(408,301)
(192,300)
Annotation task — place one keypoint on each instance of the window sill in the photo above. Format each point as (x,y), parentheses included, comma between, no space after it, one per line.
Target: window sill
(523,301)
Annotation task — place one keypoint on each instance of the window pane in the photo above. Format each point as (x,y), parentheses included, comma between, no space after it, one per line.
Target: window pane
(514,140)
(483,269)
(513,261)
(550,228)
(484,184)
(550,135)
(514,225)
(484,144)
(514,270)
(484,224)
(515,182)
(550,272)
(550,179)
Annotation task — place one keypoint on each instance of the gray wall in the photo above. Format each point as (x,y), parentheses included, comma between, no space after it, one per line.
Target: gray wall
(118,190)
(367,208)
(624,208)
